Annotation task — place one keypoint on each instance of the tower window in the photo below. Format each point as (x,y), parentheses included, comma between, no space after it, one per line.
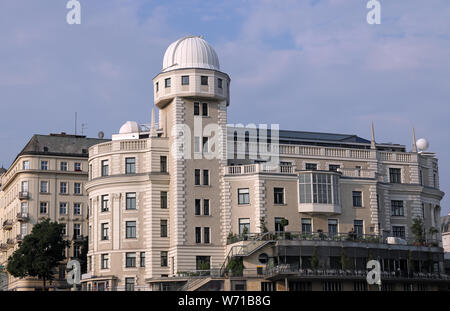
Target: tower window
(219,83)
(196,109)
(167,82)
(204,109)
(157,86)
(184,80)
(204,80)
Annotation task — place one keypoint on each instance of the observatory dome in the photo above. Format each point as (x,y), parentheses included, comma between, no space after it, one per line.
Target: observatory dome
(129,127)
(190,52)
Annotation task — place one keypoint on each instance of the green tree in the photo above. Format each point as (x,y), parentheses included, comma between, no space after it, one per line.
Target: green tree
(40,252)
(83,255)
(315,259)
(417,229)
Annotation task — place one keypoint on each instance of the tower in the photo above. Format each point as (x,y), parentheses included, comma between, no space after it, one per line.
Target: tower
(192,95)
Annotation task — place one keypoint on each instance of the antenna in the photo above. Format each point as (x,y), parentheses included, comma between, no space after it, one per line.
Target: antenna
(83,128)
(75,123)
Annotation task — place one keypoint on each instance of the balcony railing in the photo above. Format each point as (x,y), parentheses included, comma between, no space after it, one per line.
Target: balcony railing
(259,168)
(23,216)
(7,224)
(3,247)
(10,242)
(20,237)
(78,238)
(24,195)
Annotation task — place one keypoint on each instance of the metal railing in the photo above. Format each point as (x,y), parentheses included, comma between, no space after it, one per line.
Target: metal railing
(22,216)
(7,224)
(24,195)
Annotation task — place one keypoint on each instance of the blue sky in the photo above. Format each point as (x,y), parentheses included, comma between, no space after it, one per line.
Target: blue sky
(313,65)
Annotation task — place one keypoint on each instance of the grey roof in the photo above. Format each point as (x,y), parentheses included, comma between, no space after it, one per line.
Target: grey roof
(315,136)
(60,144)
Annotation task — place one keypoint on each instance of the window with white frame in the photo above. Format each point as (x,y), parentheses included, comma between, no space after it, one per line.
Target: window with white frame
(243,196)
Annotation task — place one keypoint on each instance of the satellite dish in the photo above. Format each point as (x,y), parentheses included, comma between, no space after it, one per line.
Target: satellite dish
(101,135)
(422,144)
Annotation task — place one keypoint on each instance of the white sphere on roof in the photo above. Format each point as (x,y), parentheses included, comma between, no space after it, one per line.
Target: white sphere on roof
(190,52)
(129,127)
(422,144)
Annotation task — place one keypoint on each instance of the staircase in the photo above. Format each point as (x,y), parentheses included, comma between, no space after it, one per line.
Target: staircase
(195,283)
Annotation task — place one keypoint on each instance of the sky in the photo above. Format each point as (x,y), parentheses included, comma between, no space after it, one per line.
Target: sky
(312,65)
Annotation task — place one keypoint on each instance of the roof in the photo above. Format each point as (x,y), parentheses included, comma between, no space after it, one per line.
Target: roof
(316,136)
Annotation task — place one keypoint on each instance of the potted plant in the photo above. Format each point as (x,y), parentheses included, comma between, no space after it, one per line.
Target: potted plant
(418,231)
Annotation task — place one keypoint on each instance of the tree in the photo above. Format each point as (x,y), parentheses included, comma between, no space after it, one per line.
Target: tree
(83,254)
(315,259)
(418,230)
(39,253)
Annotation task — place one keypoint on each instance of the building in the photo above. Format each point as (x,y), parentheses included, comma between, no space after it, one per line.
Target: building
(185,205)
(445,230)
(46,180)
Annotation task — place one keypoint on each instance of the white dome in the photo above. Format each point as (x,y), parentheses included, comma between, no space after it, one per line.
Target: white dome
(422,144)
(190,52)
(129,127)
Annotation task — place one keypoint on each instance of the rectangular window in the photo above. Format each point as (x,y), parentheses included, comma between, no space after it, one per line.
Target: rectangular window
(130,165)
(206,207)
(62,208)
(44,186)
(203,262)
(63,166)
(395,175)
(206,235)
(164,259)
(311,166)
(198,207)
(77,188)
(167,82)
(163,224)
(24,186)
(105,261)
(278,194)
(64,229)
(196,144)
(198,235)
(205,177)
(219,83)
(77,167)
(43,208)
(157,86)
(205,109)
(105,203)
(163,199)
(197,177)
(105,232)
(397,208)
(334,168)
(204,80)
(359,227)
(184,80)
(142,259)
(244,223)
(196,109)
(163,164)
(130,260)
(243,196)
(130,229)
(205,145)
(105,168)
(278,225)
(44,165)
(306,225)
(76,230)
(77,208)
(130,200)
(398,231)
(332,227)
(62,187)
(26,165)
(357,198)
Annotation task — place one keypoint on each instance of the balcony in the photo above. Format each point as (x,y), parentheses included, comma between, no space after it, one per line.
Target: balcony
(317,208)
(78,238)
(3,247)
(20,237)
(24,195)
(259,168)
(23,216)
(7,225)
(10,242)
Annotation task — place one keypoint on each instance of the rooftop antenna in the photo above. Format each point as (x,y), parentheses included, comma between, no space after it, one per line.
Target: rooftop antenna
(75,123)
(414,149)
(83,128)
(372,143)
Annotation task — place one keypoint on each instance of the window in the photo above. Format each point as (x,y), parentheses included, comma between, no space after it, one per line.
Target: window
(62,187)
(278,194)
(319,188)
(163,164)
(306,225)
(105,203)
(130,199)
(77,167)
(198,207)
(395,175)
(357,198)
(206,207)
(332,227)
(359,227)
(62,208)
(63,166)
(163,199)
(205,177)
(164,259)
(105,232)
(43,208)
(77,208)
(196,144)
(278,224)
(77,188)
(205,145)
(196,109)
(205,109)
(163,228)
(204,80)
(198,235)
(219,83)
(44,186)
(130,165)
(26,165)
(167,82)
(311,166)
(130,260)
(184,80)
(64,229)
(157,86)
(105,261)
(44,165)
(76,251)
(130,229)
(334,168)
(142,259)
(203,262)
(105,168)
(76,230)
(244,223)
(397,208)
(206,235)
(243,196)
(398,231)
(197,177)
(24,186)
